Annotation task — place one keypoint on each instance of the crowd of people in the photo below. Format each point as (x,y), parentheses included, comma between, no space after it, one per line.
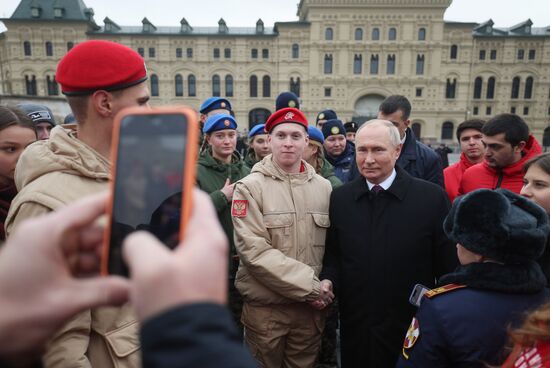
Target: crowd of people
(314,239)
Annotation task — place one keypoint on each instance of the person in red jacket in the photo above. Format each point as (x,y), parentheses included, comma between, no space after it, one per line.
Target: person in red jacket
(470,138)
(509,145)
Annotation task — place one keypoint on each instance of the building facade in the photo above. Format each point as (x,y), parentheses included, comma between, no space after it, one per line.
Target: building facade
(347,55)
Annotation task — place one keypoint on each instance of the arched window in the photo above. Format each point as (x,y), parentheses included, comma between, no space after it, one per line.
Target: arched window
(375,34)
(328,64)
(27,48)
(216,88)
(450,89)
(154,85)
(253,86)
(295,86)
(257,116)
(49,49)
(30,85)
(477,87)
(422,34)
(51,84)
(390,66)
(528,88)
(374,64)
(295,51)
(329,34)
(491,88)
(419,64)
(392,34)
(358,34)
(447,130)
(417,129)
(191,85)
(266,86)
(357,64)
(178,80)
(229,86)
(454,52)
(515,87)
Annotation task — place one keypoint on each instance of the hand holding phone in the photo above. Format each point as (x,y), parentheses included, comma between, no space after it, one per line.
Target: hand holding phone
(152,176)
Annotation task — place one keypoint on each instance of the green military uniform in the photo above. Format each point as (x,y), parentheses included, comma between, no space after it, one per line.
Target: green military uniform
(211,177)
(250,159)
(327,172)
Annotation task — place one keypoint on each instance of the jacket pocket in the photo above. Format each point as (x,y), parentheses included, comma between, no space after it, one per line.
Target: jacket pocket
(322,223)
(122,343)
(279,226)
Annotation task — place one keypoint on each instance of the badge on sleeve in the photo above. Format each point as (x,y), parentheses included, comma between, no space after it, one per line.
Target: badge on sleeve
(239,208)
(412,336)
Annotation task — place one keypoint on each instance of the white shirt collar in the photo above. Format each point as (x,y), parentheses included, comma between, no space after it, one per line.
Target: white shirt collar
(386,184)
(404,138)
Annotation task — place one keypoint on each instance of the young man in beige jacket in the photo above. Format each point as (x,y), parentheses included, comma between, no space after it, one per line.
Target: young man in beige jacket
(280,215)
(99,79)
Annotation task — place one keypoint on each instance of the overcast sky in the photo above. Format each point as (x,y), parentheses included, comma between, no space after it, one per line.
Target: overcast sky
(504,13)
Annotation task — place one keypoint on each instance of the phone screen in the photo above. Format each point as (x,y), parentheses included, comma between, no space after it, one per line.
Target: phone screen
(148,183)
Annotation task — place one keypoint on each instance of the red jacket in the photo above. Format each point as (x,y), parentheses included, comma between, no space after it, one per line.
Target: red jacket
(453,176)
(511,177)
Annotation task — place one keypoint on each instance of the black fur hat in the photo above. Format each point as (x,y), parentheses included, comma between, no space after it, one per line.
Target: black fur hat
(499,225)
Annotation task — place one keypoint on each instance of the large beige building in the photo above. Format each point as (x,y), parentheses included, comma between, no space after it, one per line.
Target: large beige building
(347,55)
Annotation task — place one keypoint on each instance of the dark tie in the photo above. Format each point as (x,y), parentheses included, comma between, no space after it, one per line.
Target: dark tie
(377,189)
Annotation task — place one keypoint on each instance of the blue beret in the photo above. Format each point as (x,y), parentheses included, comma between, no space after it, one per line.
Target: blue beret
(214,103)
(258,129)
(219,122)
(333,127)
(315,134)
(326,115)
(287,99)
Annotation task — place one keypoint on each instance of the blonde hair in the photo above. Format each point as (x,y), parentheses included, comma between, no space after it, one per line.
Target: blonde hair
(535,328)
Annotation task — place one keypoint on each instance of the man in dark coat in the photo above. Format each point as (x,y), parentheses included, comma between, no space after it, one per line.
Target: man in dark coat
(416,158)
(385,236)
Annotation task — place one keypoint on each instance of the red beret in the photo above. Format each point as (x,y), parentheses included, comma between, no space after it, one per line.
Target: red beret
(286,115)
(95,65)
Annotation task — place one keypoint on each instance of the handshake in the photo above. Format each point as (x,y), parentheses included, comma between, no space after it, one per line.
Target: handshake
(326,296)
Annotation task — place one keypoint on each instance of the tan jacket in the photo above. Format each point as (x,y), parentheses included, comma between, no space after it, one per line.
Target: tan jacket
(50,174)
(280,222)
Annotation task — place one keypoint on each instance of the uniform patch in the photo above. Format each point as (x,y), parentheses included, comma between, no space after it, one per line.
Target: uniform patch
(411,337)
(289,115)
(291,103)
(222,104)
(239,208)
(226,123)
(335,130)
(321,116)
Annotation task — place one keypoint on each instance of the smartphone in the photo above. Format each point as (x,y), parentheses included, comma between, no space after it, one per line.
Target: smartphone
(153,159)
(417,294)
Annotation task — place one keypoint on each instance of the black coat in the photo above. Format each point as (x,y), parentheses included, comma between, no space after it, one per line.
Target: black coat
(196,335)
(378,247)
(420,160)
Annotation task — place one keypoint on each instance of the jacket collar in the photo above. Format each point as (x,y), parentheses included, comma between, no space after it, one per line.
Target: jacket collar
(398,188)
(408,151)
(465,163)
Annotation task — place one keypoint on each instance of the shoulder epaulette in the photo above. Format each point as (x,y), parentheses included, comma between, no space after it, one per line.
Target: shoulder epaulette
(443,289)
